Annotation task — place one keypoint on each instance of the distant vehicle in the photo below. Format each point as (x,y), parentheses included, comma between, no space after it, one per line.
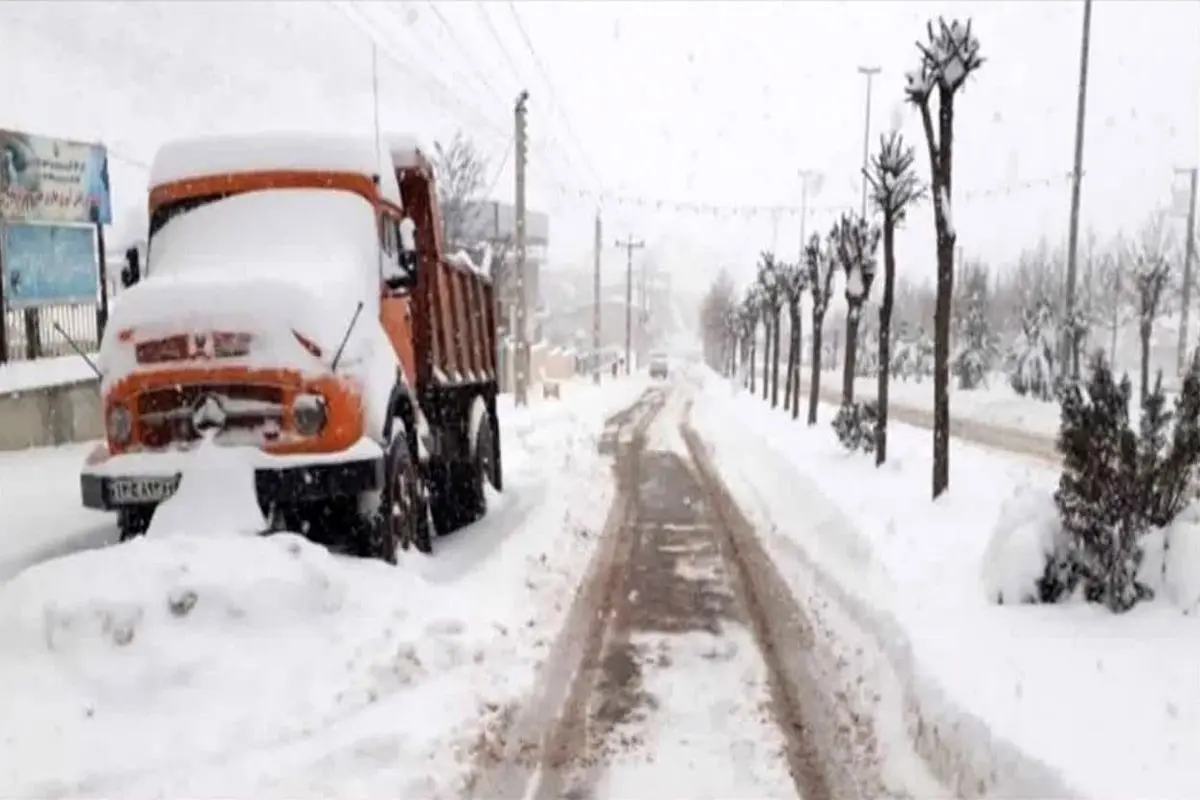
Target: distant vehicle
(296,300)
(658,366)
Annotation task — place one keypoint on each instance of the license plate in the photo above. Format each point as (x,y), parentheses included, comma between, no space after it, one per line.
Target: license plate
(126,491)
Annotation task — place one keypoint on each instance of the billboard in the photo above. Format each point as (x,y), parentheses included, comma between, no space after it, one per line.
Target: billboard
(49,265)
(52,180)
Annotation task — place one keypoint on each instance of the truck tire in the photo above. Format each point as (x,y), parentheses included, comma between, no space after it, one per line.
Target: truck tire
(404,503)
(477,473)
(134,521)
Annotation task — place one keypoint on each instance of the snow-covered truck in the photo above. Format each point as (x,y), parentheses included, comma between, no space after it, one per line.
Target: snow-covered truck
(297,303)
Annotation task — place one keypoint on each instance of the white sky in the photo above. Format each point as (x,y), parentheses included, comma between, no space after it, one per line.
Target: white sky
(700,102)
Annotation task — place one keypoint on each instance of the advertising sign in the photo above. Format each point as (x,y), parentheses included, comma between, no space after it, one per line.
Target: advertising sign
(49,265)
(52,180)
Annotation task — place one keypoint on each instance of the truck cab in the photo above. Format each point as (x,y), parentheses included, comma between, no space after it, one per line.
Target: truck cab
(297,304)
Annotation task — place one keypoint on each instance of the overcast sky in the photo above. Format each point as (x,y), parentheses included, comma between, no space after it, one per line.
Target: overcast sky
(704,103)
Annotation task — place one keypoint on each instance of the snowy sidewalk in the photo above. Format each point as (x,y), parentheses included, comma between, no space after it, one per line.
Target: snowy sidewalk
(1026,700)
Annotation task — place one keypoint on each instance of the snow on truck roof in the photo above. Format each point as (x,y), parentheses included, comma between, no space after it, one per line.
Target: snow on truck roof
(200,157)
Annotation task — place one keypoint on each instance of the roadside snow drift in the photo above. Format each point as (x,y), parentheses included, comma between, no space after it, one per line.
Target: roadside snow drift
(208,664)
(1014,700)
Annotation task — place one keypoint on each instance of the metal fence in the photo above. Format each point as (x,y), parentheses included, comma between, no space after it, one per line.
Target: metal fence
(31,333)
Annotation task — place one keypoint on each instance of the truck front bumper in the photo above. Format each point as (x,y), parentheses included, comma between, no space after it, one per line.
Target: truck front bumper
(109,483)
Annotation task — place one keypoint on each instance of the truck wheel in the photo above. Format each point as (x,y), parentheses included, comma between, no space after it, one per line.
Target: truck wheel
(134,521)
(477,473)
(404,506)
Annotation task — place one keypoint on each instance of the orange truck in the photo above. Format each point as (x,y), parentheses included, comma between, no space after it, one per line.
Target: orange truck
(298,304)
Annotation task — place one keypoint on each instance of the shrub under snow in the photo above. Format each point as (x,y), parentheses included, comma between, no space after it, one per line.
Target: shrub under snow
(854,425)
(1117,539)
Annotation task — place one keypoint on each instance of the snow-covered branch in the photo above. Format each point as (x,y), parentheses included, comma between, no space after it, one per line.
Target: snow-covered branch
(855,242)
(893,181)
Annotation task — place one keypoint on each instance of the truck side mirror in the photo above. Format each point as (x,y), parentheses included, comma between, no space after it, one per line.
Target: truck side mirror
(131,273)
(403,274)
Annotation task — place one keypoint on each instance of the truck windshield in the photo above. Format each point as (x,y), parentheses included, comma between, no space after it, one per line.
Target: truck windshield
(284,232)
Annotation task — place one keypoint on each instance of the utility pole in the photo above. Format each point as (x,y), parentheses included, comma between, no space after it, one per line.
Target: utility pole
(870,72)
(630,245)
(596,306)
(1189,253)
(1068,344)
(521,397)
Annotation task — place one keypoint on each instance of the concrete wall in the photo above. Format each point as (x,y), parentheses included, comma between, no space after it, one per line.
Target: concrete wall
(51,415)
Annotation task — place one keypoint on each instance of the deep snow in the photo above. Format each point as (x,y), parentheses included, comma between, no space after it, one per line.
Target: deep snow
(211,664)
(1054,699)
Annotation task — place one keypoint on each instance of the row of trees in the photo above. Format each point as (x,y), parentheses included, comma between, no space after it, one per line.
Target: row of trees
(948,57)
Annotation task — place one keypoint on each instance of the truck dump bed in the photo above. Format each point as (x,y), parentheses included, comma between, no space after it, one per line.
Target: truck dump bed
(454,317)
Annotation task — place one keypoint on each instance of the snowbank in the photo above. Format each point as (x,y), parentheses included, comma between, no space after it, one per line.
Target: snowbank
(1022,700)
(229,665)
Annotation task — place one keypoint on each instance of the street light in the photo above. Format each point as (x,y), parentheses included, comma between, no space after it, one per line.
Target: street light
(870,72)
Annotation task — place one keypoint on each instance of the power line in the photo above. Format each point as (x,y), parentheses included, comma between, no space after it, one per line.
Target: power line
(440,93)
(468,57)
(553,94)
(513,68)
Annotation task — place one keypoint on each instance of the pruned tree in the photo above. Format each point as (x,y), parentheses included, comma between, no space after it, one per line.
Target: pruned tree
(460,170)
(1151,279)
(819,263)
(771,295)
(716,309)
(894,187)
(948,58)
(794,279)
(855,242)
(751,311)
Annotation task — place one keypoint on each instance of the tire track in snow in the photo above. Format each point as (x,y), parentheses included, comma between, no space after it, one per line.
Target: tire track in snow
(507,754)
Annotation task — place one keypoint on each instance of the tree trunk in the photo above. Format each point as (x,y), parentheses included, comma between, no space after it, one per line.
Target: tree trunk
(1145,328)
(791,358)
(885,338)
(814,381)
(945,293)
(797,346)
(849,365)
(753,358)
(775,360)
(767,356)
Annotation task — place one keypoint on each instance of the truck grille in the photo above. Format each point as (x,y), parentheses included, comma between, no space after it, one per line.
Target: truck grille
(254,414)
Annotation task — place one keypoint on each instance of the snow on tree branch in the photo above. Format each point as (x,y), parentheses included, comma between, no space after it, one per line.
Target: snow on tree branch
(769,281)
(947,60)
(893,181)
(819,264)
(855,242)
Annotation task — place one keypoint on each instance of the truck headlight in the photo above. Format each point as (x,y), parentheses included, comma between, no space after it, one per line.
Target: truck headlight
(308,414)
(119,425)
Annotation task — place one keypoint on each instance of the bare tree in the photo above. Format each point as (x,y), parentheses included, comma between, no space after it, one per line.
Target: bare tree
(771,295)
(855,242)
(751,311)
(715,312)
(949,57)
(461,177)
(795,284)
(1152,278)
(894,187)
(819,263)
